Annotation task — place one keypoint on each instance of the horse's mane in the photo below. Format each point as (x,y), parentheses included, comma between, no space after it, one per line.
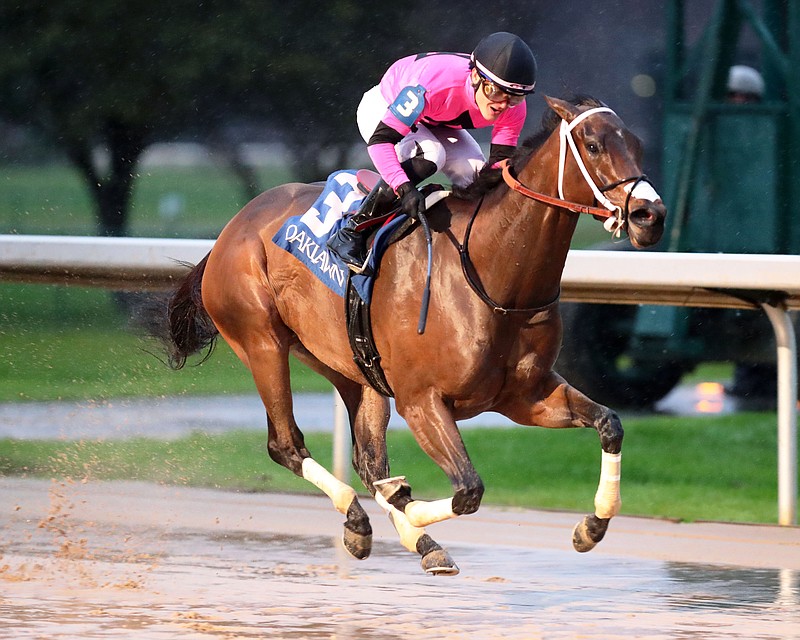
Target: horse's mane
(489,178)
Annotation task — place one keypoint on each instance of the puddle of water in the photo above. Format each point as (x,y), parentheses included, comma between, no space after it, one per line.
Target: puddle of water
(241,585)
(61,577)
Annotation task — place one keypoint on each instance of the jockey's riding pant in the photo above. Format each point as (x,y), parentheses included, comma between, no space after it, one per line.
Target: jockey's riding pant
(454,151)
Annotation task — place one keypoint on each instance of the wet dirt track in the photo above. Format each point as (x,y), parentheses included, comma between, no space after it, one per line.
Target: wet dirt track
(131,560)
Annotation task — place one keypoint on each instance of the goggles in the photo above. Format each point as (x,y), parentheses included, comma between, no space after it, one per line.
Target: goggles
(495,93)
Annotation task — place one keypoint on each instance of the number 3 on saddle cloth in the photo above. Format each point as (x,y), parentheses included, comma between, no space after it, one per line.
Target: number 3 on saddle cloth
(305,237)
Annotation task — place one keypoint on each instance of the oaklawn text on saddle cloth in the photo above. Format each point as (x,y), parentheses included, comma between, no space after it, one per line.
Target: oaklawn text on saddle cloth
(305,236)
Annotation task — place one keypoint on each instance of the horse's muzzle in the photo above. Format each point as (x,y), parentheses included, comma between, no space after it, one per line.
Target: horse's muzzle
(646,222)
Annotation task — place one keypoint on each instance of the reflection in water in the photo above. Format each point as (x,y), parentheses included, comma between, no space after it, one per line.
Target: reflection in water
(755,590)
(246,585)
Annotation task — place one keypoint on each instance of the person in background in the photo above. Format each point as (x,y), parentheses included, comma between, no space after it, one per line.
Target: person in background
(414,124)
(745,85)
(755,382)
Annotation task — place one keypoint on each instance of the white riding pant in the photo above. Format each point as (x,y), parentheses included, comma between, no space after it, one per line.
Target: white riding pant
(454,151)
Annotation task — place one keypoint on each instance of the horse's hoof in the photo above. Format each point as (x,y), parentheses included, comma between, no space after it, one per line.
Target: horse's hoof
(580,538)
(358,545)
(439,563)
(588,532)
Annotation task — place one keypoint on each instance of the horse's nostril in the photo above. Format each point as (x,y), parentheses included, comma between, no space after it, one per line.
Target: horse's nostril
(644,217)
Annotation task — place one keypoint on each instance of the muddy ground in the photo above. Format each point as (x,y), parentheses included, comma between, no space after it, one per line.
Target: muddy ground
(133,560)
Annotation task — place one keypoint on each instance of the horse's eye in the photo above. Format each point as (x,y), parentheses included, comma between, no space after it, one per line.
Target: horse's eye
(592,147)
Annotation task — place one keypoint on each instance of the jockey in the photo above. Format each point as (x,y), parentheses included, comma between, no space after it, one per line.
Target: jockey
(414,121)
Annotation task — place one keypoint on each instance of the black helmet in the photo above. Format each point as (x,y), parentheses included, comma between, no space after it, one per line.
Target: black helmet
(507,61)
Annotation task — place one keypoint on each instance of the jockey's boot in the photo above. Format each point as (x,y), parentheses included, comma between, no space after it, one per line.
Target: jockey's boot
(350,243)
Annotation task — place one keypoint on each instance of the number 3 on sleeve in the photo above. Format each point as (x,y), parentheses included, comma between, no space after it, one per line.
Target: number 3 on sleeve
(408,105)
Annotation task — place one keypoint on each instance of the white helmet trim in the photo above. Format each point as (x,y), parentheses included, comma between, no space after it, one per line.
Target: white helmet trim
(511,86)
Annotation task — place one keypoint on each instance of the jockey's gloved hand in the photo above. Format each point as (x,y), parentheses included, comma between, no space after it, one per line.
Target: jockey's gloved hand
(412,202)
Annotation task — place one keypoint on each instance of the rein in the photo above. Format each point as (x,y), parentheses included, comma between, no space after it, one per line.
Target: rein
(517,186)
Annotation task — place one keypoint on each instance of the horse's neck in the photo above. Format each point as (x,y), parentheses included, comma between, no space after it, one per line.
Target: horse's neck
(525,241)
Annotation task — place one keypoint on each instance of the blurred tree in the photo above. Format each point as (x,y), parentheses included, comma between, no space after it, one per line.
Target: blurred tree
(310,77)
(104,80)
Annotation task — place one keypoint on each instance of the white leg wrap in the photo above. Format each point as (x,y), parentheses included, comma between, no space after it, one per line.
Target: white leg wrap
(340,494)
(409,534)
(607,500)
(421,513)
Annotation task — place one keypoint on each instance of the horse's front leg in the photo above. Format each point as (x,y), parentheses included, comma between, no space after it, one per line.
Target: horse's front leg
(432,424)
(372,465)
(564,406)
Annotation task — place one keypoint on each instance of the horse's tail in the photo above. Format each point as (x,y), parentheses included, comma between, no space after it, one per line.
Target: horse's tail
(191,329)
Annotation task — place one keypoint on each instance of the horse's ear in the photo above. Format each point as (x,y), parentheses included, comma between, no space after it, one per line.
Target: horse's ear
(563,108)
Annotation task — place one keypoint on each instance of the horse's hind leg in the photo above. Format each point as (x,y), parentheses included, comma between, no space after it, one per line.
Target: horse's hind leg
(357,536)
(357,530)
(286,447)
(371,462)
(262,341)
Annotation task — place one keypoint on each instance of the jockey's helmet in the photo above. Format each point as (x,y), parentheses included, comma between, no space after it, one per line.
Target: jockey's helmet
(506,60)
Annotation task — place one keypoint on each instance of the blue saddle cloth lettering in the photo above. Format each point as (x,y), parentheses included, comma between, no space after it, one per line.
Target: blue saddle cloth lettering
(305,236)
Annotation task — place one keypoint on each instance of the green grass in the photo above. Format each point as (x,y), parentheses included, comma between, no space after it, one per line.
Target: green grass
(589,234)
(711,468)
(54,200)
(100,364)
(66,343)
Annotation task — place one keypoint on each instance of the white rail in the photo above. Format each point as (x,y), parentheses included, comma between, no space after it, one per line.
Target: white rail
(686,279)
(771,282)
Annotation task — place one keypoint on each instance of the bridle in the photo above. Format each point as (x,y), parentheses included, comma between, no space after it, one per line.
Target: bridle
(616,217)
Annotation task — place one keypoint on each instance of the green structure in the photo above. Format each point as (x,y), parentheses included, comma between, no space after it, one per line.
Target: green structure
(732,171)
(731,182)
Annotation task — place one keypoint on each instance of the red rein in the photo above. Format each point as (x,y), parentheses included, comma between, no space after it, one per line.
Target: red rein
(517,186)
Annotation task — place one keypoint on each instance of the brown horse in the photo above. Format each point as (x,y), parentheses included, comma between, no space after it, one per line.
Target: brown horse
(489,346)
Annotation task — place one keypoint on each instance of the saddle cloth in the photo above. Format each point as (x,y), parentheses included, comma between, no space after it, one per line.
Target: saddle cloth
(305,236)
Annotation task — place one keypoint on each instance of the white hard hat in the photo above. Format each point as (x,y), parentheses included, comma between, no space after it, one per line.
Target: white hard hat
(744,79)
